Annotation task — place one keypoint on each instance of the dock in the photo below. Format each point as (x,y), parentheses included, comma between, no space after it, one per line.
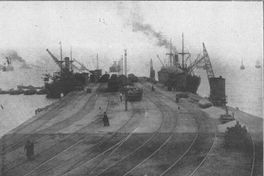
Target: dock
(155,136)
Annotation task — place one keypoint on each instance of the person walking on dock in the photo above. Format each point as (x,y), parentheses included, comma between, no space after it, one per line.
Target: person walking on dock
(152,88)
(106,120)
(29,148)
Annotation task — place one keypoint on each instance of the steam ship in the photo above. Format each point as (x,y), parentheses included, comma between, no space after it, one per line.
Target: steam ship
(66,80)
(7,66)
(179,76)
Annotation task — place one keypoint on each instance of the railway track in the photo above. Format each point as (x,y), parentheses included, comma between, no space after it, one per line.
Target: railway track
(89,167)
(41,169)
(253,157)
(46,152)
(192,149)
(111,148)
(19,140)
(48,116)
(131,161)
(126,157)
(252,167)
(64,141)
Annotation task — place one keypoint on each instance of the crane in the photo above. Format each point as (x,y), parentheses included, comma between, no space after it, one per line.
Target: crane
(160,60)
(59,63)
(208,65)
(204,61)
(82,66)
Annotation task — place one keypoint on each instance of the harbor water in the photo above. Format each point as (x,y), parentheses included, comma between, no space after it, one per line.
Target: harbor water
(243,88)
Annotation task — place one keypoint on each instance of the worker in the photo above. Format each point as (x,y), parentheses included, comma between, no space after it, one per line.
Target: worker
(152,88)
(29,148)
(2,106)
(105,120)
(121,97)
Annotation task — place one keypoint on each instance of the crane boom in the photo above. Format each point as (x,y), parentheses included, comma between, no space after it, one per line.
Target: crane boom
(195,63)
(208,65)
(59,63)
(82,66)
(160,60)
(203,59)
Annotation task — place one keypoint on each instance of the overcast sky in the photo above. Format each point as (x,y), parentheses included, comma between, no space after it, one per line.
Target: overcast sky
(230,30)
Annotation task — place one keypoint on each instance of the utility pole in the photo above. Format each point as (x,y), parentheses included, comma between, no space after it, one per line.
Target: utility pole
(182,50)
(125,62)
(126,77)
(61,51)
(71,59)
(122,65)
(97,62)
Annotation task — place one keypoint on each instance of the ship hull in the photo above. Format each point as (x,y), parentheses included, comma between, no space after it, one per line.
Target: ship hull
(179,81)
(74,82)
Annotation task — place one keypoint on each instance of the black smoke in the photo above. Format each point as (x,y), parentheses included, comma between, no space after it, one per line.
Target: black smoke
(148,30)
(15,58)
(132,16)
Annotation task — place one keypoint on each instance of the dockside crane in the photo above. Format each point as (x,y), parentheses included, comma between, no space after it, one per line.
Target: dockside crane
(62,67)
(217,84)
(204,62)
(83,67)
(59,63)
(160,60)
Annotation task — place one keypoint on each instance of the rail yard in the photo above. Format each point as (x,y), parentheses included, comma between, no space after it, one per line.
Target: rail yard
(155,136)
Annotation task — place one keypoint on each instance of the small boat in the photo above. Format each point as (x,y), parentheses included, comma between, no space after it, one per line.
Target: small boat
(30,92)
(258,64)
(242,67)
(16,92)
(41,92)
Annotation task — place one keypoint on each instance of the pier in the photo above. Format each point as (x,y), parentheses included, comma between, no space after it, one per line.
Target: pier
(155,136)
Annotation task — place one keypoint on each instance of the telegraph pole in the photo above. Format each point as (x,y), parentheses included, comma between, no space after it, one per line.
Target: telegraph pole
(122,65)
(60,50)
(126,79)
(97,62)
(71,59)
(125,62)
(183,51)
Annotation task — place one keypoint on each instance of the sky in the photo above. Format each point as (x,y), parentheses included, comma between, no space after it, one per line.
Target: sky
(231,30)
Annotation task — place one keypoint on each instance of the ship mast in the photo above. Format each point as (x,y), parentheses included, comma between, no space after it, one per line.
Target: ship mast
(170,54)
(183,53)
